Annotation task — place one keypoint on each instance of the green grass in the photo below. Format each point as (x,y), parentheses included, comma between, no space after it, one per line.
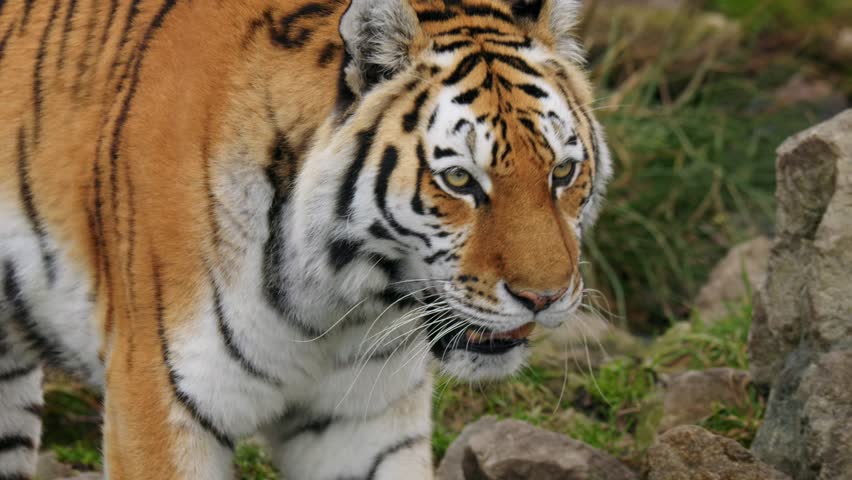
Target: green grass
(699,346)
(80,455)
(738,422)
(252,463)
(693,124)
(775,15)
(72,424)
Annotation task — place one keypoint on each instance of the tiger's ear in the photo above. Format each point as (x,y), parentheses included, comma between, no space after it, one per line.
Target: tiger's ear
(378,35)
(552,22)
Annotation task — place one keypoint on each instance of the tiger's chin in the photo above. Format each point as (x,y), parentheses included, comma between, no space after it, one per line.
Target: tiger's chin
(474,354)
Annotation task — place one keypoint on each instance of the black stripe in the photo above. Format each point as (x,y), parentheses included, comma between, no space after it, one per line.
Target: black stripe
(505,83)
(388,165)
(588,150)
(254,26)
(342,252)
(461,124)
(28,8)
(4,40)
(212,202)
(131,233)
(328,54)
(422,168)
(432,118)
(66,30)
(533,90)
(103,257)
(485,11)
(468,97)
(387,452)
(434,257)
(410,119)
(29,204)
(132,11)
(488,82)
(316,426)
(435,16)
(22,319)
(174,379)
(452,46)
(275,282)
(389,266)
(495,148)
(155,25)
(18,373)
(287,34)
(526,43)
(83,61)
(514,62)
(380,232)
(231,345)
(346,195)
(529,125)
(345,95)
(35,409)
(113,9)
(463,69)
(39,63)
(4,345)
(115,146)
(471,31)
(529,9)
(14,442)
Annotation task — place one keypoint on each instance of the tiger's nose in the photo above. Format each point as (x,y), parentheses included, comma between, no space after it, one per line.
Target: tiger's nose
(536,301)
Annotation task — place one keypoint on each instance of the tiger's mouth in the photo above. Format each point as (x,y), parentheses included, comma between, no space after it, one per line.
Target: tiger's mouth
(476,339)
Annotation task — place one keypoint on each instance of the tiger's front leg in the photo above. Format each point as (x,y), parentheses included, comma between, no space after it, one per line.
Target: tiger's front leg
(151,429)
(388,445)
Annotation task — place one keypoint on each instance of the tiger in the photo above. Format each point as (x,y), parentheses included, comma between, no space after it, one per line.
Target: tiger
(280,219)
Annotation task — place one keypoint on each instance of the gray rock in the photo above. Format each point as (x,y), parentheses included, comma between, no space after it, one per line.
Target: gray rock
(451,465)
(692,453)
(801,337)
(49,468)
(86,476)
(809,417)
(691,396)
(514,450)
(742,270)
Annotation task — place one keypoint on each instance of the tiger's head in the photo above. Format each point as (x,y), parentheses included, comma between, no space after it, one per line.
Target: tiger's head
(473,166)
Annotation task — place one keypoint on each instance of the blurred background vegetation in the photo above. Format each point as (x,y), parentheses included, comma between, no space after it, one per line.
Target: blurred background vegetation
(695,95)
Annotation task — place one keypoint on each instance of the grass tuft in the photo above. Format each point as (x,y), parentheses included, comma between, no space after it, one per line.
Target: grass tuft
(253,463)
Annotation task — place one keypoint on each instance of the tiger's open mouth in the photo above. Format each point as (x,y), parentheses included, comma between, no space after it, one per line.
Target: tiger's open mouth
(477,339)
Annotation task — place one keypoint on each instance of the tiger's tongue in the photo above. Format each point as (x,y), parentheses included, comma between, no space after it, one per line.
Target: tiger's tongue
(477,336)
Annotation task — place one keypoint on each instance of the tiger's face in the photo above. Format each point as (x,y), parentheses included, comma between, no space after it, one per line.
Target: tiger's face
(488,166)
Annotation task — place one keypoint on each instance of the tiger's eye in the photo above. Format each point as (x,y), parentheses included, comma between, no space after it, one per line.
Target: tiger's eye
(564,170)
(457,177)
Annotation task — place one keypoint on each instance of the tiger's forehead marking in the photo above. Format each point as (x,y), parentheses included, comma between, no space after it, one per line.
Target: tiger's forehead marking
(498,114)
